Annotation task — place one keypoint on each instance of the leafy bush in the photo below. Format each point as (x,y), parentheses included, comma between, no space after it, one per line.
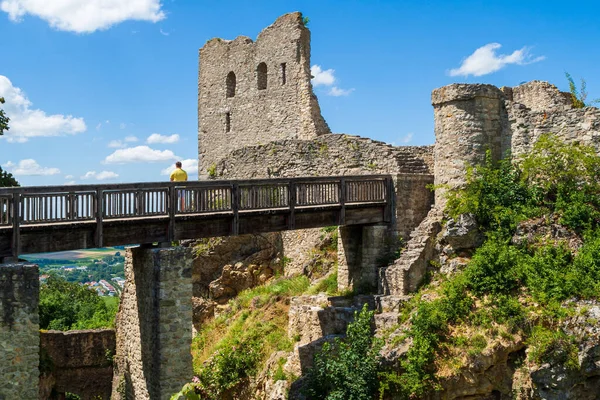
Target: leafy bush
(548,273)
(347,369)
(495,193)
(552,346)
(558,171)
(586,265)
(66,306)
(494,269)
(230,365)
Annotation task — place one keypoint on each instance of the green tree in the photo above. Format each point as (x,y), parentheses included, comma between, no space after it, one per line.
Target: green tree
(65,305)
(3,119)
(7,179)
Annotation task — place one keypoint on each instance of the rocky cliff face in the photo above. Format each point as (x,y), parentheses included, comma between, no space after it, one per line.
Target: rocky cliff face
(225,266)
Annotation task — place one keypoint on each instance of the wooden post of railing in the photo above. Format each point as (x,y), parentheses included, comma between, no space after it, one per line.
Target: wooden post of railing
(342,197)
(71,210)
(99,216)
(16,239)
(292,201)
(389,199)
(235,207)
(172,208)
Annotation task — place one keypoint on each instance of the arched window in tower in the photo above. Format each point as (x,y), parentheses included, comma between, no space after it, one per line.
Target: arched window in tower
(261,76)
(230,84)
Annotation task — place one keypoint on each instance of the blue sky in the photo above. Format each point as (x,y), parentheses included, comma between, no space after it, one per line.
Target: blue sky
(109,94)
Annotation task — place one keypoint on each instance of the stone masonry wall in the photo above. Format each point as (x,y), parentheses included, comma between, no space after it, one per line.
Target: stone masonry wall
(154,324)
(571,125)
(252,92)
(79,362)
(19,331)
(539,96)
(327,155)
(338,154)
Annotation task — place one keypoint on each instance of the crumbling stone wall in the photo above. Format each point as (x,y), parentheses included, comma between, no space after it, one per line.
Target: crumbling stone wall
(19,331)
(473,118)
(539,96)
(154,330)
(327,155)
(77,362)
(571,125)
(338,154)
(255,92)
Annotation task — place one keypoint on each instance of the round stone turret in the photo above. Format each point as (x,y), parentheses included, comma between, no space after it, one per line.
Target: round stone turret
(469,120)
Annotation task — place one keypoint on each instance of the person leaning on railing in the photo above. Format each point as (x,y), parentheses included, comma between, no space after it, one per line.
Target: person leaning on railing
(179,175)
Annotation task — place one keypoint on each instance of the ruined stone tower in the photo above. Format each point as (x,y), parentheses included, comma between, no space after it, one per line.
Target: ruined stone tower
(256,92)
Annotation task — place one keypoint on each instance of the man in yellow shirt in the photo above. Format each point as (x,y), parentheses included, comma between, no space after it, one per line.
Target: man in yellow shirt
(179,175)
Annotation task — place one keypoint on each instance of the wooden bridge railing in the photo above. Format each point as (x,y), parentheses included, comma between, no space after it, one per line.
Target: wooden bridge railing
(50,205)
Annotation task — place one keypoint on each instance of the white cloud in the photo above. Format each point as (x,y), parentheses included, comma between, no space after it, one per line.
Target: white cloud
(26,122)
(326,78)
(322,77)
(69,183)
(157,138)
(406,138)
(69,177)
(106,175)
(29,167)
(139,154)
(484,60)
(336,91)
(88,175)
(164,33)
(190,166)
(99,126)
(116,144)
(84,16)
(100,176)
(119,144)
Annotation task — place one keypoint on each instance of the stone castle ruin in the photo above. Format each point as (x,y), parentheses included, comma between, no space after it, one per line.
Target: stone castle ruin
(256,92)
(259,118)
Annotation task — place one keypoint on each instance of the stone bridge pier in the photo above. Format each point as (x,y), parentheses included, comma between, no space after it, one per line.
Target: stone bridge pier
(364,249)
(19,331)
(154,324)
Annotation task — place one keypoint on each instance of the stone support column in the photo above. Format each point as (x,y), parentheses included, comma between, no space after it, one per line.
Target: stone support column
(361,251)
(19,331)
(154,325)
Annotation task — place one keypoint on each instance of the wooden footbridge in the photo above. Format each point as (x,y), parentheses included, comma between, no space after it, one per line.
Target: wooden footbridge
(57,218)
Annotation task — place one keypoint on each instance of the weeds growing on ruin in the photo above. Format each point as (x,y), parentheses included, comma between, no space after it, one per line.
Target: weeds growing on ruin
(579,96)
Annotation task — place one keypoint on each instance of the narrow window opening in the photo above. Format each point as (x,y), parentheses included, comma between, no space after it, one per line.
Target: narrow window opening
(227,122)
(261,76)
(283,77)
(230,84)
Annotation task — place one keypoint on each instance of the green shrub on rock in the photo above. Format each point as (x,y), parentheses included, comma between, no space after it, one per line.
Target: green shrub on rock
(347,369)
